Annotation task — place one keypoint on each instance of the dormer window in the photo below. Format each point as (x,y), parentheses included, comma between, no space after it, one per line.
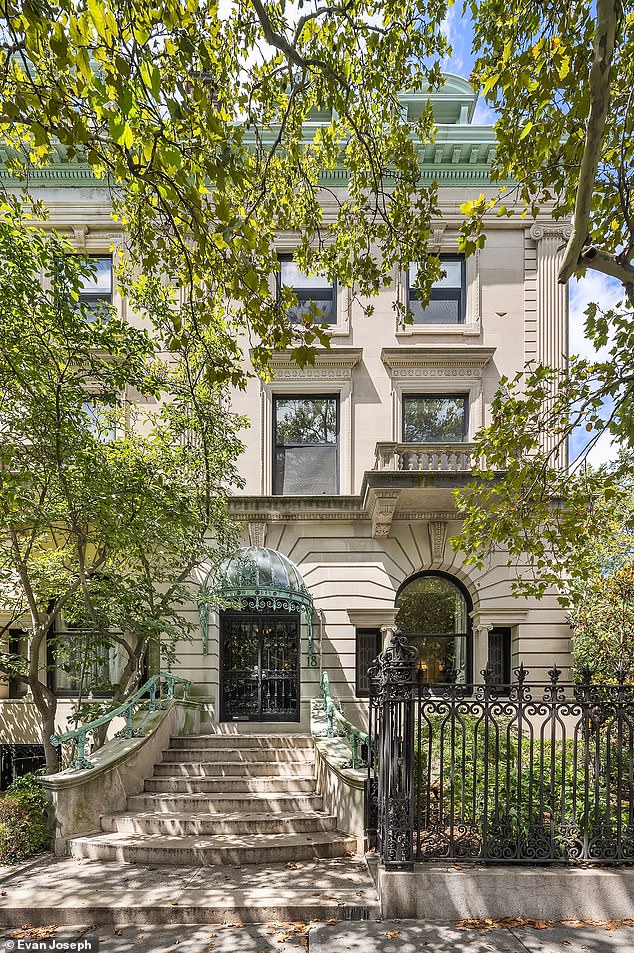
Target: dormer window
(447,303)
(316,294)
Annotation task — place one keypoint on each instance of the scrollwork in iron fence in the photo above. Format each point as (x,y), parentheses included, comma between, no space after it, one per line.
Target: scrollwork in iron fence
(525,772)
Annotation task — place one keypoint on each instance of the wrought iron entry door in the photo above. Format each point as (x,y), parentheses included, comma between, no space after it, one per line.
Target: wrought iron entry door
(259,667)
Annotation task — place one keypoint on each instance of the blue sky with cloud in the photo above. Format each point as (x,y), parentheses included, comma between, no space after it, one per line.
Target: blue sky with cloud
(593,287)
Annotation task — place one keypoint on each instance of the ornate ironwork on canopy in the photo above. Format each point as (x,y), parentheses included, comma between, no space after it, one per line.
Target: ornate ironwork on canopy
(260,580)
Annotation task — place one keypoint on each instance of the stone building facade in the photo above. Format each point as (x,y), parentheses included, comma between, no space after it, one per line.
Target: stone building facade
(351,464)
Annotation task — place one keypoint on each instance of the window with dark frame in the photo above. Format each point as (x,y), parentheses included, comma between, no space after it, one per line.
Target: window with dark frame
(433,610)
(18,645)
(306,446)
(96,294)
(316,294)
(500,656)
(18,760)
(65,653)
(368,646)
(439,418)
(447,302)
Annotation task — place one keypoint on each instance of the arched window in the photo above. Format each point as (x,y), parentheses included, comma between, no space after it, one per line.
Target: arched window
(433,611)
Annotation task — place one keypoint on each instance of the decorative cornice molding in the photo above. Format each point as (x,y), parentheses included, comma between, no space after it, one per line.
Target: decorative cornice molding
(416,515)
(268,509)
(335,365)
(335,357)
(417,372)
(438,358)
(486,619)
(292,373)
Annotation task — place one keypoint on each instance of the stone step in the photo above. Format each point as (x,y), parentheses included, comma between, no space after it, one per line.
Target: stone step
(223,849)
(219,785)
(67,892)
(241,741)
(251,769)
(271,803)
(100,907)
(239,755)
(238,822)
(254,728)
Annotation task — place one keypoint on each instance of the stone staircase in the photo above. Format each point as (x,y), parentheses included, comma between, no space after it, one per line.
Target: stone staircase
(223,799)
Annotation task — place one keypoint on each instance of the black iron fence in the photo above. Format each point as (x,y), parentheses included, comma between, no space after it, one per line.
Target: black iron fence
(525,772)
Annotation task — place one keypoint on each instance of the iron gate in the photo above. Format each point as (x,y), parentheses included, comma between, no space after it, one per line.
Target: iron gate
(523,772)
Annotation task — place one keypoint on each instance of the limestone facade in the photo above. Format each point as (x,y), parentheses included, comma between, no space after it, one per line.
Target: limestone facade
(393,514)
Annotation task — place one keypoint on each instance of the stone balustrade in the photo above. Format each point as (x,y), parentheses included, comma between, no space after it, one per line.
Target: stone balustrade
(429,457)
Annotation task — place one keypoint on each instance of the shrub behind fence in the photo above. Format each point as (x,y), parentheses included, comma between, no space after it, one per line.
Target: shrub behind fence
(526,772)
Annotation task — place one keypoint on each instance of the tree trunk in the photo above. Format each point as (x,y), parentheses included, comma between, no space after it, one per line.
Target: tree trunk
(47,728)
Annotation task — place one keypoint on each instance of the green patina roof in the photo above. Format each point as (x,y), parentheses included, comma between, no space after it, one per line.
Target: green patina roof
(462,152)
(259,570)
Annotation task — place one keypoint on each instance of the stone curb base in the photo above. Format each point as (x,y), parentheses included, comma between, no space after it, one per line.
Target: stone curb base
(443,894)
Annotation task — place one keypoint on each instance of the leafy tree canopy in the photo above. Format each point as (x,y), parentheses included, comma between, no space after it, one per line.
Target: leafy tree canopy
(561,77)
(115,465)
(197,120)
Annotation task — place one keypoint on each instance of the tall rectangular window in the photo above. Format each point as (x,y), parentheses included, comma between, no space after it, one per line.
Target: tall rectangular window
(368,646)
(438,419)
(96,294)
(306,446)
(85,660)
(447,303)
(500,655)
(18,646)
(316,294)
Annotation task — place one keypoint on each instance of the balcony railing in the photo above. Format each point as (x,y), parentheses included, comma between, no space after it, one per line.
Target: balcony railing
(426,457)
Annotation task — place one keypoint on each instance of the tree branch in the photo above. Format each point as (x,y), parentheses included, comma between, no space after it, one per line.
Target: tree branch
(604,38)
(612,265)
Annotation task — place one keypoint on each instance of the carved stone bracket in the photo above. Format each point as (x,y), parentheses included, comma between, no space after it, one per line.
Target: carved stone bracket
(437,540)
(80,234)
(437,237)
(382,513)
(257,534)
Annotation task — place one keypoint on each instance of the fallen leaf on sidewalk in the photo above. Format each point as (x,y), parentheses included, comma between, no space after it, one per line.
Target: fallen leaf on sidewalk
(27,932)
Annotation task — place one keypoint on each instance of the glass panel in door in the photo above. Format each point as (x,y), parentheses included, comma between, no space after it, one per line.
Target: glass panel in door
(280,668)
(240,664)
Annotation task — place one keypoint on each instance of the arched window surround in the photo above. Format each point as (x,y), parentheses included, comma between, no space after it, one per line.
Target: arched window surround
(459,585)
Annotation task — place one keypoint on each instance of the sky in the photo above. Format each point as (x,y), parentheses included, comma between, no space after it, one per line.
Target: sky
(593,287)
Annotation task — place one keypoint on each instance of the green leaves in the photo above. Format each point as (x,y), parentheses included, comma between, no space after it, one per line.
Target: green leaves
(106,508)
(204,125)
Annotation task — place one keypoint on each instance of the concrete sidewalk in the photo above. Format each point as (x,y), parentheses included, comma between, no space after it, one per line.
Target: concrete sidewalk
(402,936)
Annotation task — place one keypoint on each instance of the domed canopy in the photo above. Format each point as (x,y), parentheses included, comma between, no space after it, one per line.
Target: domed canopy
(264,571)
(262,580)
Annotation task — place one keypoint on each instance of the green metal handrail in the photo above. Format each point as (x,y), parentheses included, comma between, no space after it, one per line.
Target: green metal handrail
(126,709)
(353,735)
